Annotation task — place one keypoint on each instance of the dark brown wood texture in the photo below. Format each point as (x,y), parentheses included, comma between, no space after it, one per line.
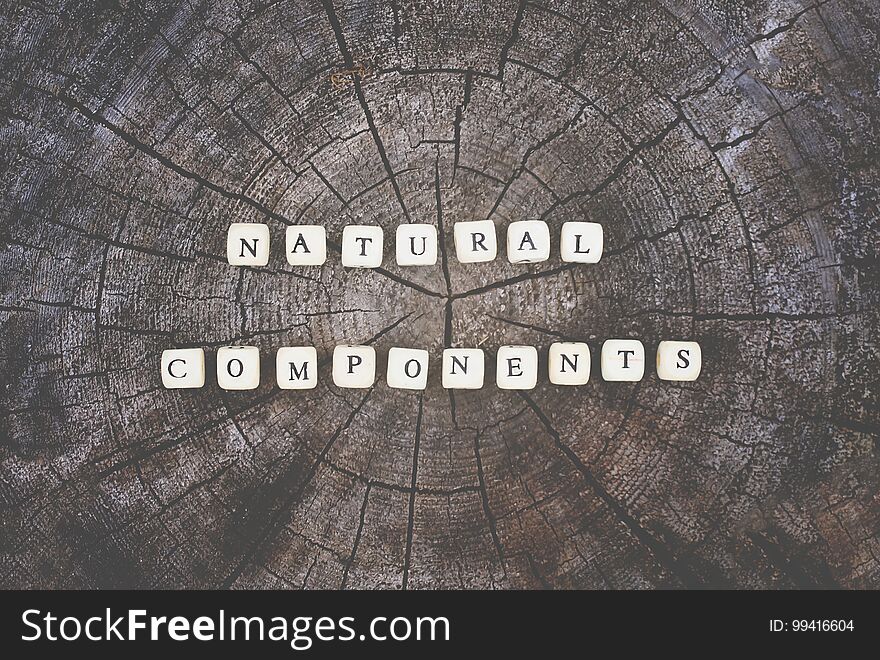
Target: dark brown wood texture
(729,149)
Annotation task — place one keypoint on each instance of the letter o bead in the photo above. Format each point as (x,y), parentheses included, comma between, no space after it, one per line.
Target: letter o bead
(238,367)
(407,368)
(679,360)
(183,368)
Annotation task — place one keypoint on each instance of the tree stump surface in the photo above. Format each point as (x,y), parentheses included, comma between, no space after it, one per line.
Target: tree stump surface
(730,150)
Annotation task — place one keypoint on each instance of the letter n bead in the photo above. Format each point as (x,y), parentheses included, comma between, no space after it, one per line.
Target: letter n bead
(183,368)
(407,368)
(679,360)
(463,368)
(247,244)
(569,363)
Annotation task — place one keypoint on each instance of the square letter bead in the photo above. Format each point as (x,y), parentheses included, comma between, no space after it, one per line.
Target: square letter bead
(623,360)
(238,367)
(247,244)
(183,368)
(463,368)
(296,367)
(679,360)
(362,246)
(475,241)
(416,245)
(581,242)
(569,363)
(407,368)
(528,241)
(306,245)
(354,366)
(516,367)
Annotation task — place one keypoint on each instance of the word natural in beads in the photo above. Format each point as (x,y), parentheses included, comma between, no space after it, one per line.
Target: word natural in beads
(528,241)
(516,367)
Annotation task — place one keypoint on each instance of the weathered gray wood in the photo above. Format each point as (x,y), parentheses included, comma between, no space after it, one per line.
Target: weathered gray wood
(730,152)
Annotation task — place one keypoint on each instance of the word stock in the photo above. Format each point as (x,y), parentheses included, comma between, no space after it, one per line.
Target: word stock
(528,241)
(516,367)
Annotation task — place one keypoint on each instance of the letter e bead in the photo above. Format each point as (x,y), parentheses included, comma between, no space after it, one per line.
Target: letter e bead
(516,367)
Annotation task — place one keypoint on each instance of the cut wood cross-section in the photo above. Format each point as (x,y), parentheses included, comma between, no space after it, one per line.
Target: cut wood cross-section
(729,150)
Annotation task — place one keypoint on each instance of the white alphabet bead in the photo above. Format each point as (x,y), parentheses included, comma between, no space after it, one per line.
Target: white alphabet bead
(247,244)
(569,363)
(463,368)
(354,366)
(528,241)
(516,367)
(679,360)
(362,246)
(416,245)
(296,367)
(238,367)
(581,242)
(475,242)
(306,245)
(407,368)
(623,360)
(183,368)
